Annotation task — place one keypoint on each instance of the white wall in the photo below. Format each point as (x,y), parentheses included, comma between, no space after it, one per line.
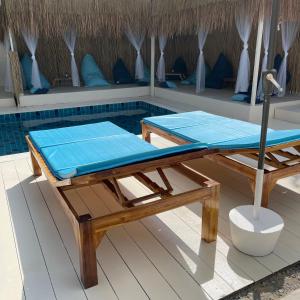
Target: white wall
(2,65)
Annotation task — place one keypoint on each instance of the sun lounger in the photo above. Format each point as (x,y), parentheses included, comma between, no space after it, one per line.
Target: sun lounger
(232,138)
(103,154)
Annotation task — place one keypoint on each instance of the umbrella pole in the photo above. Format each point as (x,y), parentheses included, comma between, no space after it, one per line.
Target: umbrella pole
(268,89)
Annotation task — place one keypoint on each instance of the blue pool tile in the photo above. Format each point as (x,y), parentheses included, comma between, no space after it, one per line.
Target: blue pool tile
(14,127)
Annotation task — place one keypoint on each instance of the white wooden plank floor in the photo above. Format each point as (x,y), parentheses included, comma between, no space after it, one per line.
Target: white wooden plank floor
(160,257)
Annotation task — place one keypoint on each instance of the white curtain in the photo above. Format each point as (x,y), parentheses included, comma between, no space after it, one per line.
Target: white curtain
(8,85)
(137,41)
(161,67)
(288,34)
(266,40)
(70,40)
(31,42)
(243,24)
(200,73)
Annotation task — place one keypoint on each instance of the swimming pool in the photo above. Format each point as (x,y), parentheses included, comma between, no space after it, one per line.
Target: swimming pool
(14,127)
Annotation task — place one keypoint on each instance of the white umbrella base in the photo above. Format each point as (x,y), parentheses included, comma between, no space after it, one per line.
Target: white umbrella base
(255,237)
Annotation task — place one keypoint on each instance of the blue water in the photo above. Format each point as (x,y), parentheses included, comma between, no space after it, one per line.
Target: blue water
(14,127)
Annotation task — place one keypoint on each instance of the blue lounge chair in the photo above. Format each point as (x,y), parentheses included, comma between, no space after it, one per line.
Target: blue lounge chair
(231,137)
(103,153)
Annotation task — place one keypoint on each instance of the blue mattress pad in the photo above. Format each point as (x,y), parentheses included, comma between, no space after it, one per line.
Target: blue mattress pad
(84,149)
(218,132)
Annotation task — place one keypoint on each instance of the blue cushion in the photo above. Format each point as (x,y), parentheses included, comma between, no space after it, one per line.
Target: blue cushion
(91,73)
(121,74)
(191,80)
(26,64)
(240,97)
(222,69)
(274,138)
(59,136)
(217,132)
(168,84)
(199,126)
(84,149)
(38,91)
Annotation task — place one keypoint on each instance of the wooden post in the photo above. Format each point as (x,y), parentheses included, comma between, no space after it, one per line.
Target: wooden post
(152,78)
(260,30)
(210,214)
(269,184)
(87,252)
(37,171)
(146,134)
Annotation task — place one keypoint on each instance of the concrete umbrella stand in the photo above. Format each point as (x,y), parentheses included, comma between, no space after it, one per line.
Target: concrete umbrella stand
(255,230)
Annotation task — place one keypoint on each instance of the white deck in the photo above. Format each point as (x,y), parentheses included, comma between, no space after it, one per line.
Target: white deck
(160,257)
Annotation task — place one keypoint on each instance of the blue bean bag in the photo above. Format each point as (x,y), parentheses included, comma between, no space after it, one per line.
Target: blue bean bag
(168,84)
(222,69)
(246,96)
(179,67)
(121,74)
(91,74)
(26,65)
(191,80)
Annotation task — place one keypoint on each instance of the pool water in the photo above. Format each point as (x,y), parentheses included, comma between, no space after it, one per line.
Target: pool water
(14,127)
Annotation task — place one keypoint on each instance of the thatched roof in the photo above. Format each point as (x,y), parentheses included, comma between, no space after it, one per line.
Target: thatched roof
(94,18)
(88,17)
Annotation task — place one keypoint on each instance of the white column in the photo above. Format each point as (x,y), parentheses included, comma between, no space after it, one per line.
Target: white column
(260,30)
(12,48)
(152,67)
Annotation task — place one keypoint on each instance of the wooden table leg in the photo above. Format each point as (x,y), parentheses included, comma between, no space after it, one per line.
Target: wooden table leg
(37,171)
(146,134)
(210,213)
(87,252)
(268,186)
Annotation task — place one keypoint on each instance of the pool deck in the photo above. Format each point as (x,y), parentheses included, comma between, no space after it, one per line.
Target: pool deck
(160,257)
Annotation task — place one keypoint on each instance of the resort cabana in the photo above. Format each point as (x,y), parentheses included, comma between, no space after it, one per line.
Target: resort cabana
(91,210)
(150,35)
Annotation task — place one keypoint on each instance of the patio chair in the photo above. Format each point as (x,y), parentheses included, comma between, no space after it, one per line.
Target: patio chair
(232,137)
(103,153)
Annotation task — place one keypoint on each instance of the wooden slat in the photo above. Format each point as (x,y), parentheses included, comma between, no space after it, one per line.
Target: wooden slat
(174,257)
(172,269)
(11,275)
(104,289)
(148,209)
(59,266)
(37,283)
(153,283)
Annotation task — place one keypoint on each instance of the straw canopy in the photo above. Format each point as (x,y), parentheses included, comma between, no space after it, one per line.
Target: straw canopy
(92,18)
(100,26)
(89,18)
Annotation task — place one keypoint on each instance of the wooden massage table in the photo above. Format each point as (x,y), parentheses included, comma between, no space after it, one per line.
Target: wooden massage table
(232,137)
(103,154)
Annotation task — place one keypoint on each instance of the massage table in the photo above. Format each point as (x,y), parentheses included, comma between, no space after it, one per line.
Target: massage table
(102,154)
(235,141)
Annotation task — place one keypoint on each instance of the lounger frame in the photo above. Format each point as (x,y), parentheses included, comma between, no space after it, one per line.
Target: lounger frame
(89,231)
(275,168)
